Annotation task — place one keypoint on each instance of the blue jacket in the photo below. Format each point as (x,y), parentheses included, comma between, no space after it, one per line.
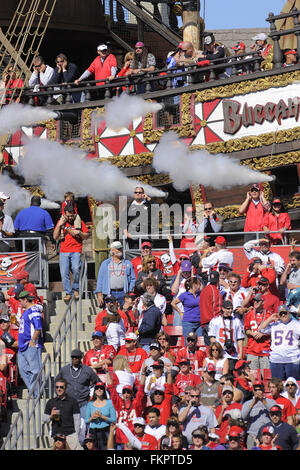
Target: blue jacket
(150,325)
(103,277)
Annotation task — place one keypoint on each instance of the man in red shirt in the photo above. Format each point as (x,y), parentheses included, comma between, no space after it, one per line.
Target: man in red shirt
(223,412)
(133,353)
(194,354)
(70,250)
(103,67)
(9,347)
(185,378)
(99,355)
(288,410)
(148,442)
(146,250)
(210,303)
(254,206)
(271,301)
(256,271)
(258,344)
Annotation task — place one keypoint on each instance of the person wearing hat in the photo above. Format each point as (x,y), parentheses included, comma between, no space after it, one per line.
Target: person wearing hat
(134,354)
(256,412)
(156,378)
(8,357)
(7,229)
(79,379)
(100,354)
(210,388)
(277,220)
(111,313)
(70,250)
(103,67)
(60,442)
(146,250)
(235,439)
(149,322)
(155,354)
(115,276)
(128,405)
(214,51)
(185,377)
(149,442)
(196,414)
(191,310)
(258,344)
(289,411)
(223,412)
(151,286)
(224,269)
(213,256)
(62,412)
(191,352)
(143,61)
(228,330)
(288,438)
(89,442)
(30,340)
(34,222)
(261,248)
(284,331)
(210,304)
(100,413)
(261,45)
(254,207)
(267,440)
(290,57)
(161,396)
(251,280)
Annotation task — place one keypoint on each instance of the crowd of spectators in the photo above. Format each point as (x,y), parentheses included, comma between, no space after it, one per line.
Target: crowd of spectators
(104,68)
(230,381)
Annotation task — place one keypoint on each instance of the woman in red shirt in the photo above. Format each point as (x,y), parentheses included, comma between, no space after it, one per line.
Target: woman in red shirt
(276,220)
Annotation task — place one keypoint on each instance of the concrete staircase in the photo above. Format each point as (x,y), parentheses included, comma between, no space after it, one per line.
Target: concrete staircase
(54,309)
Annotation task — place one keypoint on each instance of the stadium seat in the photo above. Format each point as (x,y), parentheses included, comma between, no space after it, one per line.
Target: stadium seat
(173,330)
(257,374)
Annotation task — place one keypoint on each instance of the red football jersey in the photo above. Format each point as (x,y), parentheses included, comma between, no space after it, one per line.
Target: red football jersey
(135,358)
(185,380)
(148,442)
(94,356)
(259,347)
(196,358)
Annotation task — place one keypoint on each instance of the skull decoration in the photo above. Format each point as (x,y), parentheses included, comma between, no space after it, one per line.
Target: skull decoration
(6,263)
(165,258)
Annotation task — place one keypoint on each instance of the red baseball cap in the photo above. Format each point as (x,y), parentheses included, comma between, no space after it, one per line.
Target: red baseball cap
(146,244)
(127,387)
(21,275)
(235,431)
(268,430)
(210,367)
(239,45)
(241,363)
(291,51)
(220,240)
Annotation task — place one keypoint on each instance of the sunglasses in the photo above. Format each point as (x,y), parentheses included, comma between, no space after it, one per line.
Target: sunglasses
(127,391)
(233,438)
(195,396)
(197,436)
(281,314)
(60,387)
(290,385)
(254,190)
(138,192)
(99,387)
(223,269)
(207,208)
(59,439)
(191,339)
(158,392)
(275,413)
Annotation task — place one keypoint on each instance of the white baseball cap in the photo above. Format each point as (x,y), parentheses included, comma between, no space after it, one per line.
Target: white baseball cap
(131,336)
(102,47)
(116,244)
(260,37)
(140,421)
(4,196)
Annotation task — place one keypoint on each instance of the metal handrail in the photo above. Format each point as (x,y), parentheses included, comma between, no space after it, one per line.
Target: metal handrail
(66,332)
(15,436)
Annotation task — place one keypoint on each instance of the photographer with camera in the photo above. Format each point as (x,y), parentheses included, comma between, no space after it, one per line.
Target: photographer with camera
(256,412)
(194,415)
(229,332)
(210,223)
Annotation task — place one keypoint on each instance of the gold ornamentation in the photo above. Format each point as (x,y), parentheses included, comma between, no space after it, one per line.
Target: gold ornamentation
(154,179)
(272,161)
(51,127)
(247,86)
(186,128)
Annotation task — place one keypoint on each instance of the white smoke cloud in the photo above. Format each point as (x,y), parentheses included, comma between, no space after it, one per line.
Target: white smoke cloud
(122,110)
(57,168)
(15,115)
(187,167)
(19,197)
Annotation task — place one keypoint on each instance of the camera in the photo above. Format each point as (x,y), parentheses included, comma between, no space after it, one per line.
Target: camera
(229,346)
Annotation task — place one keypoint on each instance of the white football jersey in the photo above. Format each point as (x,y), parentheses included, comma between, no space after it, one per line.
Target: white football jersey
(284,341)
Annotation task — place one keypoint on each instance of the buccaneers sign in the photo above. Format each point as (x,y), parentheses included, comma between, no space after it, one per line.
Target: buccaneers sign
(13,263)
(237,115)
